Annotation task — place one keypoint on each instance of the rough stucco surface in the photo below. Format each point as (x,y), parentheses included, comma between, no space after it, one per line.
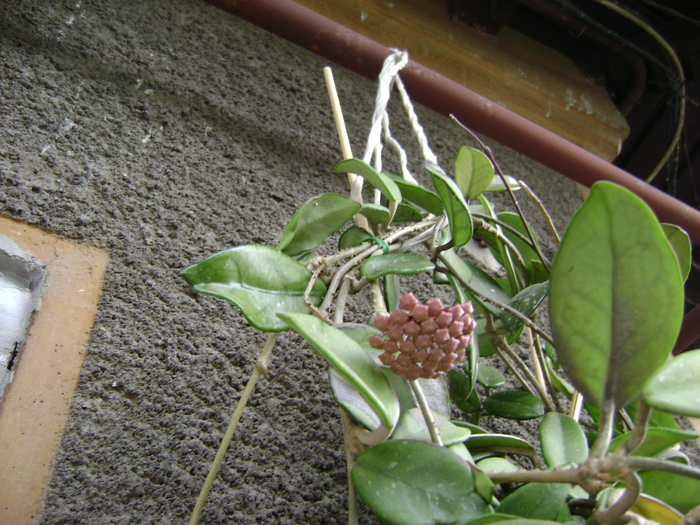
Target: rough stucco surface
(165,131)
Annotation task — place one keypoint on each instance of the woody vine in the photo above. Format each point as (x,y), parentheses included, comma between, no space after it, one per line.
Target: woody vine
(615,303)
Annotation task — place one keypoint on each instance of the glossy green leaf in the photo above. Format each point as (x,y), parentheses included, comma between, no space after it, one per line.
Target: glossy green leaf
(456,208)
(435,392)
(616,296)
(259,280)
(563,440)
(416,483)
(681,492)
(412,426)
(315,221)
(514,404)
(462,391)
(544,501)
(375,213)
(656,511)
(473,172)
(498,185)
(489,377)
(360,333)
(525,302)
(406,213)
(535,270)
(351,400)
(379,180)
(353,236)
(350,362)
(426,199)
(502,443)
(680,242)
(497,464)
(675,387)
(656,440)
(395,263)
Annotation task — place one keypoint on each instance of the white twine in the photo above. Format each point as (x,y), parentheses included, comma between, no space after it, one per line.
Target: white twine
(388,77)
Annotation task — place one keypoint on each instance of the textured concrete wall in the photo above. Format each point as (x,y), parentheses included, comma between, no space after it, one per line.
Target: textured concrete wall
(165,131)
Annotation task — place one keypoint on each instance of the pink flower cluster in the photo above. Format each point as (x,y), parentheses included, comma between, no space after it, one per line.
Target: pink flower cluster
(428,338)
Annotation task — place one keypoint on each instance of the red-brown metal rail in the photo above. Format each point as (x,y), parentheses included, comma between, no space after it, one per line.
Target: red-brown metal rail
(339,44)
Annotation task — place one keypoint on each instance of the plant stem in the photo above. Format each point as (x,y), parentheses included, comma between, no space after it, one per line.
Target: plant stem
(427,413)
(260,368)
(641,418)
(542,209)
(541,392)
(515,313)
(605,429)
(353,518)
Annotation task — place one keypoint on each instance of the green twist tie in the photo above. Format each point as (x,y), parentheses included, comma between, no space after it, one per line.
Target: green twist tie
(379,242)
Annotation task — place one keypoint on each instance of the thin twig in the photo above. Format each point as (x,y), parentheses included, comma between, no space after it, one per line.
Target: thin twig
(427,413)
(543,210)
(500,173)
(605,429)
(260,368)
(512,311)
(541,392)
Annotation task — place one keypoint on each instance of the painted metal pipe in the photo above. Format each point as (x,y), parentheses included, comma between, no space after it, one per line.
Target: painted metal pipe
(362,55)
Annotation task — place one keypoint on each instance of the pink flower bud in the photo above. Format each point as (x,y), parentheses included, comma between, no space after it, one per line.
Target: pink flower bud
(403,360)
(390,347)
(420,312)
(407,346)
(435,306)
(423,341)
(413,372)
(387,359)
(428,326)
(376,341)
(411,329)
(419,356)
(442,335)
(443,319)
(398,317)
(395,333)
(382,322)
(456,329)
(407,301)
(450,345)
(398,369)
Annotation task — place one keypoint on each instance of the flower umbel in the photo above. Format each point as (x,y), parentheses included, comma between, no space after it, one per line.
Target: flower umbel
(428,338)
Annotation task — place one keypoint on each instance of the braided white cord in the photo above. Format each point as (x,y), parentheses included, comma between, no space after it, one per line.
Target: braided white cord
(417,128)
(388,77)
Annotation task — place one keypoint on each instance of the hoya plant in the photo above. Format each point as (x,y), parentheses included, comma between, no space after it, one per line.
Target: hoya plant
(413,384)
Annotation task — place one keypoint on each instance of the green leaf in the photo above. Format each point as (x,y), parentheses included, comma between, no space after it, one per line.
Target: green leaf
(350,362)
(351,400)
(375,213)
(563,440)
(412,426)
(525,302)
(514,404)
(380,181)
(473,172)
(315,221)
(489,377)
(462,391)
(259,280)
(616,296)
(497,184)
(417,483)
(656,440)
(680,242)
(395,263)
(353,236)
(456,207)
(496,464)
(501,443)
(544,501)
(680,492)
(406,213)
(435,392)
(675,386)
(418,195)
